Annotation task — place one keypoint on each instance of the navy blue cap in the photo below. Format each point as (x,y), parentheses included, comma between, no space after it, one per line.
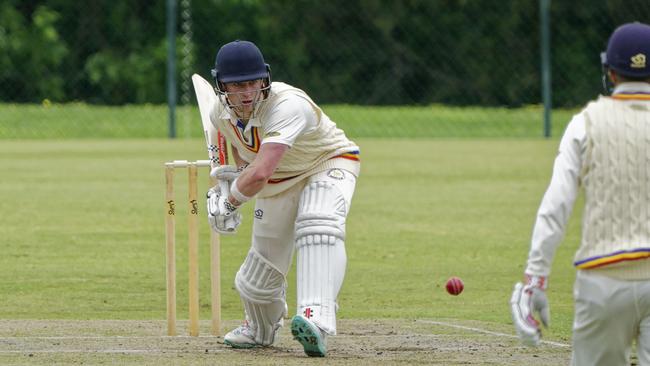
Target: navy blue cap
(628,50)
(239,61)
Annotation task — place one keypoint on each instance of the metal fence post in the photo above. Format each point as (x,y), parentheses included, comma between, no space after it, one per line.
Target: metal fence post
(171,66)
(544,9)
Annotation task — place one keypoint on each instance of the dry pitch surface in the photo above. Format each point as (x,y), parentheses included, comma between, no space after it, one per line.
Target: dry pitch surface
(380,342)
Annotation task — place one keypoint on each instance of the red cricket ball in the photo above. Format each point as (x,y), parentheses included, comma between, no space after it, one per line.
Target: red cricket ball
(455,286)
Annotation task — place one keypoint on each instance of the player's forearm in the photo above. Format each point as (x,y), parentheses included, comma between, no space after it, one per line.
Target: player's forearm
(552,218)
(256,175)
(551,221)
(251,181)
(547,236)
(557,204)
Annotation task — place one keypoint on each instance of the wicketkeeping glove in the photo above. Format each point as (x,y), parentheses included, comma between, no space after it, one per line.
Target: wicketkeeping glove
(223,216)
(529,299)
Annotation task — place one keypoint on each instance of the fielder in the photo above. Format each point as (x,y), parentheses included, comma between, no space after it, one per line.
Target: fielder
(606,150)
(302,170)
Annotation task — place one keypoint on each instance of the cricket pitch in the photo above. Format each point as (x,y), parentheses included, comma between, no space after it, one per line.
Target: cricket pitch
(359,342)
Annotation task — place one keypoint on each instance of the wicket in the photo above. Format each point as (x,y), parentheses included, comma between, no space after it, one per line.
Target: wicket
(193,252)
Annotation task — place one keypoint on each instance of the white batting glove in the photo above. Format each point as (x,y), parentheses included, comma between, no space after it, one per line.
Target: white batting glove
(527,300)
(223,216)
(226,172)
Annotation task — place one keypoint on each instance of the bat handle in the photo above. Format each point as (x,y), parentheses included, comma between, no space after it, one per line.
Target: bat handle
(223,186)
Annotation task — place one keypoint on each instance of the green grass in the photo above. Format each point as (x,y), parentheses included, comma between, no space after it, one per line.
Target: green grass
(78,120)
(83,230)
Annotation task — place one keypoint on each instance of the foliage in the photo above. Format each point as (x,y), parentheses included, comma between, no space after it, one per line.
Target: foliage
(136,77)
(31,57)
(363,52)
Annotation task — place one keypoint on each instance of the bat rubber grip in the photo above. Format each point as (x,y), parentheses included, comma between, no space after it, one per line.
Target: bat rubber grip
(224,187)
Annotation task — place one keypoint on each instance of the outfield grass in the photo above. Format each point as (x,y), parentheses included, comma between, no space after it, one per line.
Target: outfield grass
(83,230)
(78,120)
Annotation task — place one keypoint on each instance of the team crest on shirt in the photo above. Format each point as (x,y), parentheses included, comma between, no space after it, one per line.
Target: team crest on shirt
(272,134)
(336,174)
(259,214)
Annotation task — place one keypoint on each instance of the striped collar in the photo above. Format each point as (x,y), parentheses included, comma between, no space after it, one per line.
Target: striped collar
(632,90)
(235,122)
(635,96)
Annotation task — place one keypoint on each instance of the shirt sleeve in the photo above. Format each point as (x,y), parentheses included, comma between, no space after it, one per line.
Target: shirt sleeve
(290,118)
(557,204)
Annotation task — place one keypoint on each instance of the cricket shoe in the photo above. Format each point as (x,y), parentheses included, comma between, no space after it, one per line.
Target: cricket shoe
(313,340)
(241,337)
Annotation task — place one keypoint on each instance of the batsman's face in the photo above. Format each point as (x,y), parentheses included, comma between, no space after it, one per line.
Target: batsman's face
(243,96)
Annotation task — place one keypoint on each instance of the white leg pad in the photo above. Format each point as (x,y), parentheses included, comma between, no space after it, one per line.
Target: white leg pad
(321,258)
(262,287)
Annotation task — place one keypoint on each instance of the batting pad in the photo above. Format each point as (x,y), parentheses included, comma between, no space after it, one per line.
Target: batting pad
(321,258)
(262,290)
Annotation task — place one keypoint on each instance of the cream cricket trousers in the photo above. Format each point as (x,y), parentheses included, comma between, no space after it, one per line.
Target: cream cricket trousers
(275,216)
(610,314)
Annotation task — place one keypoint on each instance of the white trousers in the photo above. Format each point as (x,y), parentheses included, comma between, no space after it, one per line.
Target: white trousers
(274,218)
(610,315)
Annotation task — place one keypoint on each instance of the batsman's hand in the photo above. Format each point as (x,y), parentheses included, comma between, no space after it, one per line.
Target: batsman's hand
(226,172)
(529,299)
(223,216)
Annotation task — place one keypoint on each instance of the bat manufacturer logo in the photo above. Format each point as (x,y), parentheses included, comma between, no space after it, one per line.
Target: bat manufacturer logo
(637,61)
(195,207)
(172,209)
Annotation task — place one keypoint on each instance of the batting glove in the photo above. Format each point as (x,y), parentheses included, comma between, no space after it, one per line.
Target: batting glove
(527,300)
(226,172)
(223,216)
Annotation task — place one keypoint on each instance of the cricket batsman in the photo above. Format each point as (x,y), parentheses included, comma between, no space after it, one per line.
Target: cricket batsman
(606,151)
(302,170)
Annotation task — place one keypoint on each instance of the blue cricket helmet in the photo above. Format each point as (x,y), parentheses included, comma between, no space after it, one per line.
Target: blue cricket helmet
(240,61)
(628,50)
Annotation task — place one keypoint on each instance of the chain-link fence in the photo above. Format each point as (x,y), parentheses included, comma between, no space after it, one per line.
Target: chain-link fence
(415,68)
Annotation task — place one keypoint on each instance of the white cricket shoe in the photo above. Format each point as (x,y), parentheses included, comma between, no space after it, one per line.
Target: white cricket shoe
(312,338)
(241,337)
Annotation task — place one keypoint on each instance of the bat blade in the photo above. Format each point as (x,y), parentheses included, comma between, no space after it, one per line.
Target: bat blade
(215,141)
(206,99)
